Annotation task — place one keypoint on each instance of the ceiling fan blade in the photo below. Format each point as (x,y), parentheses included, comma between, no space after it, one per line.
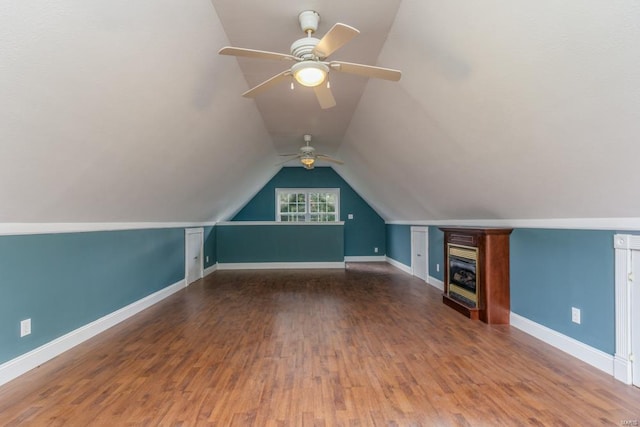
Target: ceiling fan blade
(325,97)
(267,84)
(289,155)
(366,70)
(288,160)
(252,53)
(335,38)
(329,159)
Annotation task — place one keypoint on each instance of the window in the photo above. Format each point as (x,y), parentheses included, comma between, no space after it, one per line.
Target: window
(307,204)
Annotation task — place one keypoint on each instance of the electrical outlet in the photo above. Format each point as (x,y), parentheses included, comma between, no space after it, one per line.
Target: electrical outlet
(575,315)
(375,250)
(350,216)
(25,327)
(207,260)
(438,267)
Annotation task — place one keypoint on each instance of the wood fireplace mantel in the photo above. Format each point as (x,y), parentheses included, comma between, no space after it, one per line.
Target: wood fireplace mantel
(492,296)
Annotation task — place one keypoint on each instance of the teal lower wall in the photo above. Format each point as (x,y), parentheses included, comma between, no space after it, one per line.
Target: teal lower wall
(362,234)
(399,243)
(210,255)
(280,243)
(552,270)
(399,247)
(64,281)
(436,253)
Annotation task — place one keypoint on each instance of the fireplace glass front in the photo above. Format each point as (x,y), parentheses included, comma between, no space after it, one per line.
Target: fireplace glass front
(463,267)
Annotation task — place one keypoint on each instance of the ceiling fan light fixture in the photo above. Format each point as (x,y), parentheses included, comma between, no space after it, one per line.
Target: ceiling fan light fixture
(307,161)
(310,73)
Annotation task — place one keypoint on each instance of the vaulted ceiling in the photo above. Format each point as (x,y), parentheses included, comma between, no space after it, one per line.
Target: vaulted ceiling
(123,111)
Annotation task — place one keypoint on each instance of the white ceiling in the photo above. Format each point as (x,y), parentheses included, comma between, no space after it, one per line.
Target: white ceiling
(123,111)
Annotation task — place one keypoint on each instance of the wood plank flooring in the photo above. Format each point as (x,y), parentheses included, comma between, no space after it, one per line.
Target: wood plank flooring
(367,346)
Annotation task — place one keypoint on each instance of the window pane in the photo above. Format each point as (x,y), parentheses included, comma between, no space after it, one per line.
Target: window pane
(321,217)
(307,206)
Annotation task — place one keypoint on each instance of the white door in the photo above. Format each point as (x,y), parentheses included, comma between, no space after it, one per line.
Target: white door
(419,252)
(194,239)
(635,317)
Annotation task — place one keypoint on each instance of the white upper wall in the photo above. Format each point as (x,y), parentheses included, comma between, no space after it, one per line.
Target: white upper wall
(123,111)
(505,110)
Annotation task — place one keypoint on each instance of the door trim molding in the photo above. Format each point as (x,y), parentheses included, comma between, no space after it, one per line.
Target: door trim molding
(623,245)
(425,230)
(187,256)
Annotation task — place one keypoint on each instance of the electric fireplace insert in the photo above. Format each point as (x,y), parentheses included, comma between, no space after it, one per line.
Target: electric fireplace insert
(463,266)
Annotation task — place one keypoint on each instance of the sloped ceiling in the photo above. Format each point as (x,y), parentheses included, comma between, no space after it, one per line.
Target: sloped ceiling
(123,111)
(506,110)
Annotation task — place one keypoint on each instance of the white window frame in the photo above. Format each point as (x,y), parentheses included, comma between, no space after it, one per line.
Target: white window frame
(307,191)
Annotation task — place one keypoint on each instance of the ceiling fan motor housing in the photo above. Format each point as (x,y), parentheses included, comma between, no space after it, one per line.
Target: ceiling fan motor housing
(307,149)
(309,20)
(303,48)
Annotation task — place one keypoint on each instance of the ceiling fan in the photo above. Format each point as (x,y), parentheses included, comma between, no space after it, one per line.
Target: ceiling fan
(308,155)
(309,54)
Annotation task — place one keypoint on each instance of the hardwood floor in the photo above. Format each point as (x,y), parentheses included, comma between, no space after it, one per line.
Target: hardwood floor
(366,346)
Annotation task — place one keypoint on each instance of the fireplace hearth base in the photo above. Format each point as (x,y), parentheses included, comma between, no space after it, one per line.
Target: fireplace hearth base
(470,312)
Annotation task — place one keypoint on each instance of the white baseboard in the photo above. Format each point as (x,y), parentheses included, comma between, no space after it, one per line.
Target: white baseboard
(436,283)
(401,266)
(277,265)
(622,369)
(209,270)
(36,357)
(376,258)
(580,350)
